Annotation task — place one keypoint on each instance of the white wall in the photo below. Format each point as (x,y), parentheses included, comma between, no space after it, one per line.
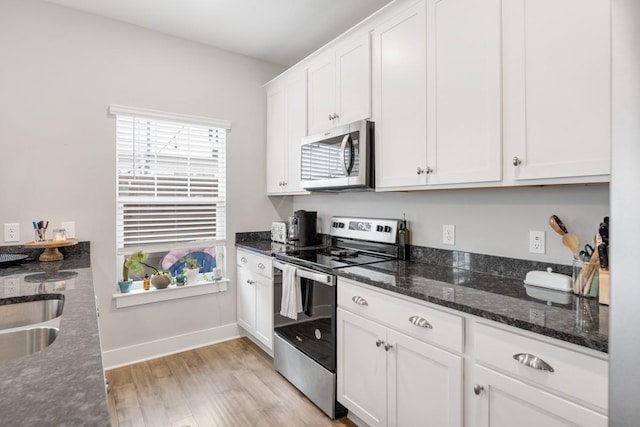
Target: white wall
(59,71)
(487,221)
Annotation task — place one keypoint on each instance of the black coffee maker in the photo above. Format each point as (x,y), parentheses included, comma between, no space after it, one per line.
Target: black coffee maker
(303,228)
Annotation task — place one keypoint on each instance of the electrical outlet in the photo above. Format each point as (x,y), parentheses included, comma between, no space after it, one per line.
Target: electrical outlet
(448,293)
(12,232)
(11,287)
(449,234)
(69,228)
(536,242)
(537,316)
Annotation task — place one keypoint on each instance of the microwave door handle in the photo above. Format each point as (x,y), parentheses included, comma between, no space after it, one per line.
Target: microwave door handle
(346,168)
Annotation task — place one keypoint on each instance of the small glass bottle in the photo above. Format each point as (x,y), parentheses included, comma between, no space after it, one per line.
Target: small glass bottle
(146,282)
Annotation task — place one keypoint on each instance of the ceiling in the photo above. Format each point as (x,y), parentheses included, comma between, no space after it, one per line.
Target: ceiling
(278,31)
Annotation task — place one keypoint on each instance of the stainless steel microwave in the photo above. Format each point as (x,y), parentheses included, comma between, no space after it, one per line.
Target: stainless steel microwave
(338,159)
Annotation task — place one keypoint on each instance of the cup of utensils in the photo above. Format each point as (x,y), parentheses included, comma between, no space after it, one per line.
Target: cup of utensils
(40,230)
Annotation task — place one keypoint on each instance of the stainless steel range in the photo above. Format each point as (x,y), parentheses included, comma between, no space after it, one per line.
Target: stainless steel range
(305,339)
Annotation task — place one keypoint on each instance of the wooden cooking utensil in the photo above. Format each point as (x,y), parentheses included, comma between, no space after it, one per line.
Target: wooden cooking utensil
(557,225)
(571,242)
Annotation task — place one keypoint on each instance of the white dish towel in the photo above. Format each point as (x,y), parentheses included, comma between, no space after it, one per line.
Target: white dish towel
(291,303)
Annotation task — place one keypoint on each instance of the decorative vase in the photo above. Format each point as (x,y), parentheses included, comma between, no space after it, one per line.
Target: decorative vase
(160,281)
(192,275)
(125,286)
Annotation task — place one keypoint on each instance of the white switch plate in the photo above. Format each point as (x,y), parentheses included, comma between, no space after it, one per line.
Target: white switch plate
(449,234)
(12,232)
(536,242)
(69,228)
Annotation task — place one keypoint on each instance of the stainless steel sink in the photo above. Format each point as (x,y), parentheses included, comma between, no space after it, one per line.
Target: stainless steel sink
(24,342)
(27,313)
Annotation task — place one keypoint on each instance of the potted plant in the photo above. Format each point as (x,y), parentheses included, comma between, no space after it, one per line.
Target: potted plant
(131,265)
(160,279)
(193,269)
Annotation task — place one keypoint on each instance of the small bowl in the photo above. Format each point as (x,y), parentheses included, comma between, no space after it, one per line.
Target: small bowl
(160,281)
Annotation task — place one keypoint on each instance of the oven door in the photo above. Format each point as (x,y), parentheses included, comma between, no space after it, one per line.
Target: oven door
(338,158)
(314,332)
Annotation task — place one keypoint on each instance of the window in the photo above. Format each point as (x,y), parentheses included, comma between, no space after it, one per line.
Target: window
(171,179)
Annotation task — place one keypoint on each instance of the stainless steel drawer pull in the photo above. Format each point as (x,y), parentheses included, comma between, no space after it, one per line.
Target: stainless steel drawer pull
(359,300)
(532,361)
(379,343)
(477,389)
(420,321)
(261,266)
(388,347)
(243,259)
(251,282)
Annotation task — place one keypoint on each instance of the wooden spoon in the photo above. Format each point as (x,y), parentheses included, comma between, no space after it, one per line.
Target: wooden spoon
(557,225)
(571,242)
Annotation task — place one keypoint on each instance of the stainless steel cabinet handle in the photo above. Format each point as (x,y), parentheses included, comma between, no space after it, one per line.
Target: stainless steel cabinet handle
(251,282)
(359,300)
(420,171)
(428,170)
(243,259)
(516,161)
(477,389)
(388,347)
(379,343)
(284,183)
(261,266)
(420,321)
(532,361)
(330,116)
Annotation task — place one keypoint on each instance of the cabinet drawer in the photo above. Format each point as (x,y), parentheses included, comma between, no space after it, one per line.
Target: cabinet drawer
(259,264)
(414,319)
(575,374)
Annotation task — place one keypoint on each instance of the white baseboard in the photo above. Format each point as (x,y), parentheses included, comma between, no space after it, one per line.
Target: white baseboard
(153,349)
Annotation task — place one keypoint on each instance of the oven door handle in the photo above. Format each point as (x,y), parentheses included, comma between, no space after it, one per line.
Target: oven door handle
(325,279)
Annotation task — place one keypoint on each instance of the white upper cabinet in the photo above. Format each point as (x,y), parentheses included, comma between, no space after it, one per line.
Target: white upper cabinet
(286,126)
(437,94)
(557,94)
(399,58)
(340,85)
(464,105)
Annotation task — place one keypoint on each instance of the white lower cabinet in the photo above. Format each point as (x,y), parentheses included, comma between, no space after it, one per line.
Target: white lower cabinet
(504,401)
(255,296)
(404,362)
(534,381)
(387,378)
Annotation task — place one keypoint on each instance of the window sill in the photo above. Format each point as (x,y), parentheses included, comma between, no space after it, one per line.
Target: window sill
(173,292)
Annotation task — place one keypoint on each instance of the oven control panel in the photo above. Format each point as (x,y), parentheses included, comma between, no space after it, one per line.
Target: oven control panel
(372,229)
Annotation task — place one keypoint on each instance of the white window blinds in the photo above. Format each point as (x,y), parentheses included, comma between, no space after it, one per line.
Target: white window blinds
(171,182)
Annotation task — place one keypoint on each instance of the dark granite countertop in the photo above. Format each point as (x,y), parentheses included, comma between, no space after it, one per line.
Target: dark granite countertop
(559,315)
(64,383)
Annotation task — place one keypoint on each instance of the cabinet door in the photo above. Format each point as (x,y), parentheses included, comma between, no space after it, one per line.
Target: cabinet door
(277,139)
(557,87)
(464,93)
(264,311)
(425,384)
(362,368)
(353,81)
(246,295)
(322,96)
(505,402)
(297,127)
(399,99)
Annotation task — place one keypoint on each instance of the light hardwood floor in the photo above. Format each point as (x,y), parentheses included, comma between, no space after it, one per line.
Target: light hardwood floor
(227,384)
